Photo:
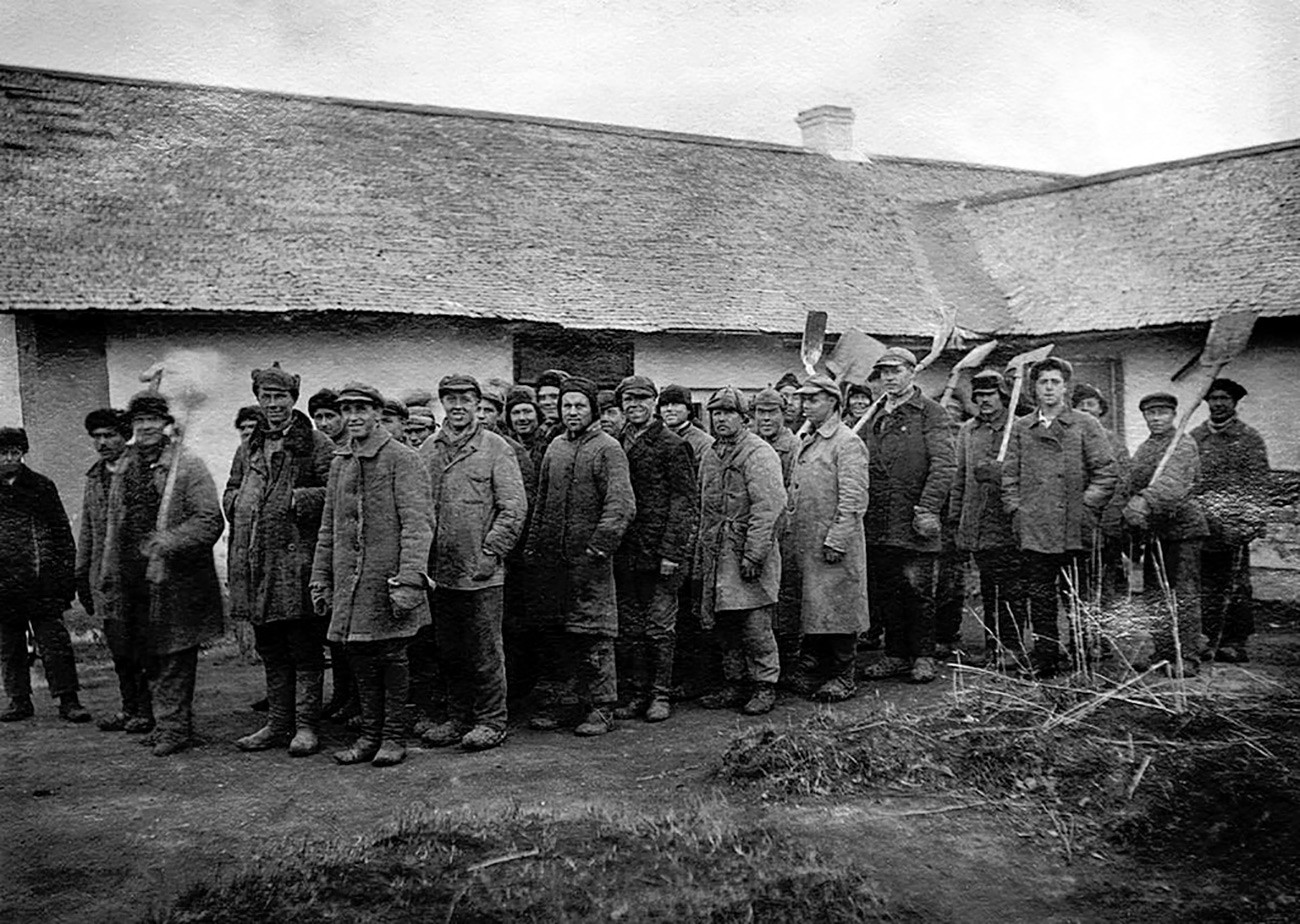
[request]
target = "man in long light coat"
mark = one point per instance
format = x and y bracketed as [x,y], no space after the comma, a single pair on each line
[827,498]
[769,423]
[742,506]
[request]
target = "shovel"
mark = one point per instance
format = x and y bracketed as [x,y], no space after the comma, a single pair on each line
[971,360]
[854,356]
[1019,363]
[814,339]
[942,334]
[1227,339]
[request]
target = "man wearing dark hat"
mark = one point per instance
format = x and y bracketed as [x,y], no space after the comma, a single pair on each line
[491,416]
[273,500]
[36,583]
[524,423]
[419,425]
[1235,482]
[1167,527]
[676,408]
[584,506]
[1114,575]
[612,420]
[655,554]
[156,572]
[1058,476]
[479,508]
[738,558]
[787,386]
[393,417]
[109,429]
[548,388]
[983,527]
[857,401]
[769,424]
[825,503]
[323,409]
[910,444]
[368,574]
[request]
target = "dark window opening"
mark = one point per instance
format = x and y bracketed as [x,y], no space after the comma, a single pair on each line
[602,356]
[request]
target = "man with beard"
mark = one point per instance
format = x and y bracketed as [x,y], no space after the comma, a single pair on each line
[273,501]
[769,424]
[36,583]
[826,501]
[742,504]
[584,506]
[656,550]
[323,409]
[109,429]
[910,444]
[1058,476]
[1235,484]
[479,507]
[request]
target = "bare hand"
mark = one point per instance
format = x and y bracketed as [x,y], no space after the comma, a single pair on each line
[404,597]
[832,556]
[750,570]
[668,568]
[487,566]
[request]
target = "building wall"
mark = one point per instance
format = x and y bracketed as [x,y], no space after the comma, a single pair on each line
[11,405]
[706,362]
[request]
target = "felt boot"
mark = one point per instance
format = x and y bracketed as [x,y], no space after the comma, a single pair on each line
[307,714]
[279,718]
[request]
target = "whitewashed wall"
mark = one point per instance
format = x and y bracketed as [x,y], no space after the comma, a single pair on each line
[11,406]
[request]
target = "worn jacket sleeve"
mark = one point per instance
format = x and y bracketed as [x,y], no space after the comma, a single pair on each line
[1165,494]
[1011,469]
[620,503]
[61,570]
[851,466]
[201,522]
[411,494]
[86,539]
[765,484]
[309,494]
[238,465]
[322,568]
[957,496]
[683,509]
[943,460]
[1099,466]
[533,542]
[527,471]
[510,504]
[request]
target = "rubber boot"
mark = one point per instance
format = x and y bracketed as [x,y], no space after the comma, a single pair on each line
[309,691]
[392,750]
[366,671]
[279,717]
[661,678]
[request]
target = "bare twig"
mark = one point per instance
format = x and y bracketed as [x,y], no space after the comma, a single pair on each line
[939,811]
[507,858]
[1137,777]
[664,773]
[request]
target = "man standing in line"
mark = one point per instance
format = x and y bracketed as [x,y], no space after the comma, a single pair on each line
[791,405]
[548,388]
[109,429]
[827,498]
[655,553]
[983,528]
[1113,580]
[393,417]
[479,507]
[769,424]
[1059,475]
[1168,526]
[612,420]
[368,574]
[1235,483]
[910,443]
[323,409]
[419,425]
[157,574]
[738,558]
[674,406]
[491,410]
[273,501]
[584,506]
[37,566]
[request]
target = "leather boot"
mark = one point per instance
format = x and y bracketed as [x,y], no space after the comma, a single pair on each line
[308,689]
[661,678]
[392,750]
[366,671]
[279,718]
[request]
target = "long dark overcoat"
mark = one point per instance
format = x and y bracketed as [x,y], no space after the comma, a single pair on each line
[38,544]
[662,468]
[912,465]
[976,498]
[274,503]
[584,501]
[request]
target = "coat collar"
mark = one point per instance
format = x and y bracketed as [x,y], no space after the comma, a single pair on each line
[1067,418]
[828,427]
[379,438]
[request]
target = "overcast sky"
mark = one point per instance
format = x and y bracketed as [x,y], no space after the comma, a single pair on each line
[1073,85]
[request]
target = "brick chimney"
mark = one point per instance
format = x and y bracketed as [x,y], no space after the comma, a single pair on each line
[827,130]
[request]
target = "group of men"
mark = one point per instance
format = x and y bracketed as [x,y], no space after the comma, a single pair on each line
[548,538]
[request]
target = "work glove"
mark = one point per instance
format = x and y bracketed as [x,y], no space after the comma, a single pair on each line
[404,597]
[989,472]
[750,569]
[1136,512]
[926,524]
[320,599]
[668,568]
[832,556]
[487,566]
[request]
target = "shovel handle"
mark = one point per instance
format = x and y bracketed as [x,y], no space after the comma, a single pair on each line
[1011,415]
[1182,424]
[871,412]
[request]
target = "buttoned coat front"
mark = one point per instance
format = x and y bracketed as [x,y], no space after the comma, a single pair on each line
[912,465]
[662,469]
[827,498]
[742,508]
[976,499]
[376,526]
[1056,481]
[479,505]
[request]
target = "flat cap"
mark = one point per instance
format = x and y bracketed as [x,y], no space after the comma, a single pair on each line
[149,404]
[729,398]
[396,408]
[1232,389]
[896,356]
[769,399]
[675,394]
[636,385]
[418,396]
[820,383]
[988,380]
[275,377]
[1158,399]
[459,381]
[108,418]
[495,395]
[14,438]
[420,415]
[359,393]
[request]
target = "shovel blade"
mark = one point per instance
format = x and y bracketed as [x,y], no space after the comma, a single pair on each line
[814,339]
[854,356]
[1029,357]
[975,356]
[1228,336]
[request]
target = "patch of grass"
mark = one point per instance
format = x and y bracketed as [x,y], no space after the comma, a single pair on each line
[530,867]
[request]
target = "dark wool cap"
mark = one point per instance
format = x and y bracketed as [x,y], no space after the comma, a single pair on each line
[1083,391]
[520,394]
[418,396]
[250,412]
[395,407]
[635,385]
[553,378]
[988,380]
[326,399]
[857,388]
[1158,399]
[729,398]
[675,394]
[1232,389]
[770,399]
[275,377]
[789,380]
[357,392]
[605,398]
[1052,362]
[459,382]
[14,438]
[583,386]
[108,418]
[149,404]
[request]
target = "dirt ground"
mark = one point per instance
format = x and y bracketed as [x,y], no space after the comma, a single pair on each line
[97,829]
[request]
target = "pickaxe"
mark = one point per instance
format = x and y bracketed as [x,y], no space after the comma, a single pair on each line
[1019,363]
